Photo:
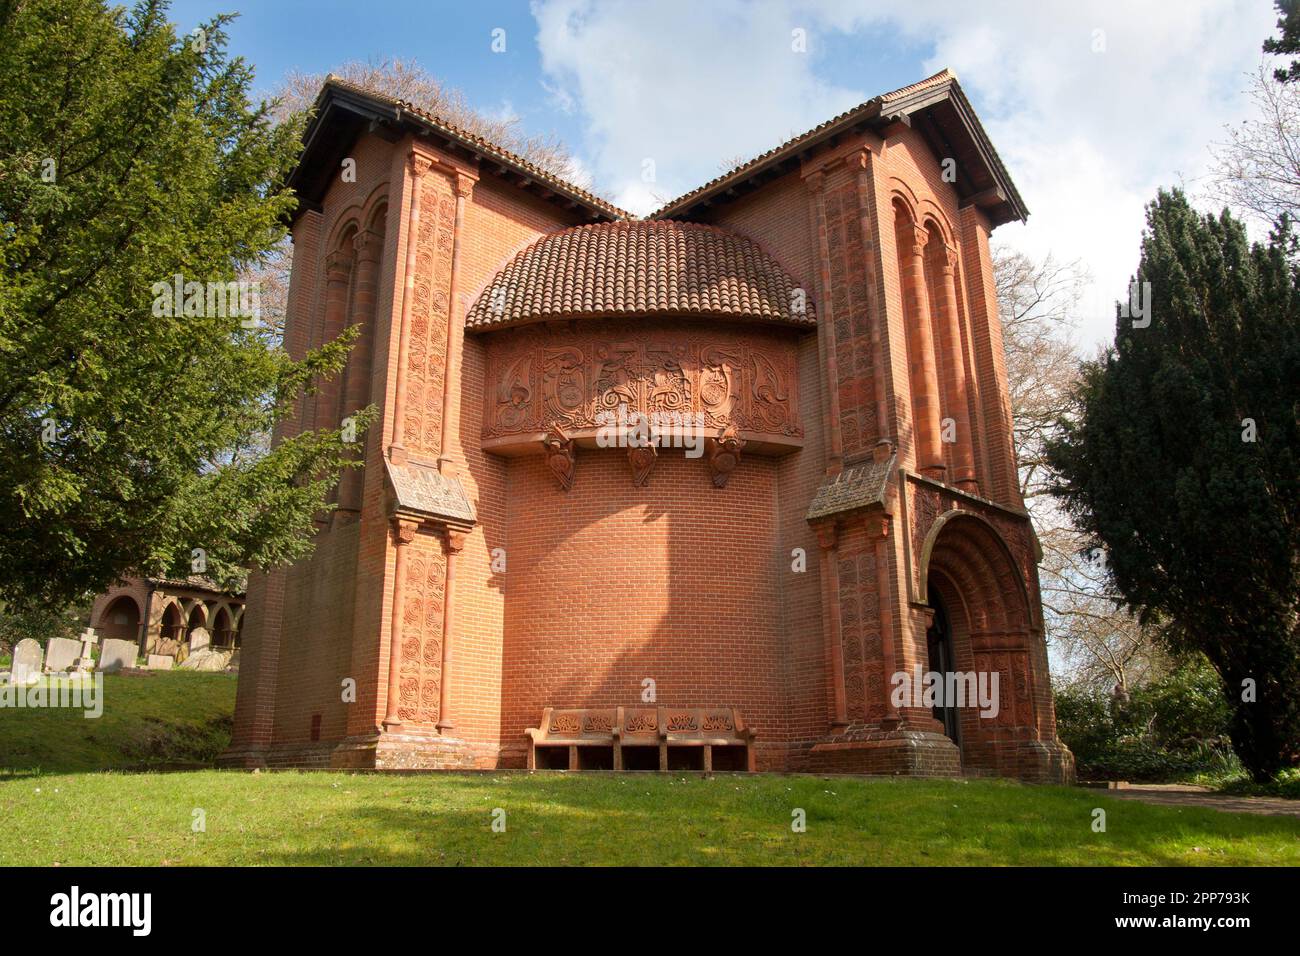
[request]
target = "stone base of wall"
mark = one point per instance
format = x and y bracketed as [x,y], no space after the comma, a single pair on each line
[244,758]
[900,752]
[409,751]
[1045,762]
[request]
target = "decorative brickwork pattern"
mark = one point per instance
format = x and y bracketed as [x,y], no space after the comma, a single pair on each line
[422,429]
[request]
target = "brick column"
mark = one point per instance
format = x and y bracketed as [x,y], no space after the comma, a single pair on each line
[338,272]
[879,329]
[826,344]
[958,408]
[416,166]
[828,540]
[455,543]
[403,535]
[922,375]
[356,374]
[878,532]
[455,335]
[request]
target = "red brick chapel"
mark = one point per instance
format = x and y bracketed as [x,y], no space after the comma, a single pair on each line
[505,585]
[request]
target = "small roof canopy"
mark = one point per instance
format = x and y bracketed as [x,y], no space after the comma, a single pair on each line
[641,268]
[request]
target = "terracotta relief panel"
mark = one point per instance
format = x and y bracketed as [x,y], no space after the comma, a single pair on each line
[427,348]
[860,636]
[421,674]
[849,306]
[539,381]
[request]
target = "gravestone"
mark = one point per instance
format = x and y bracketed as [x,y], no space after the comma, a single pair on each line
[199,639]
[61,654]
[161,662]
[88,641]
[27,662]
[207,659]
[116,655]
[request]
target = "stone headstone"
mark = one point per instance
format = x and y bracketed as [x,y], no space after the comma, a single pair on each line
[88,641]
[61,654]
[207,659]
[116,655]
[28,658]
[199,638]
[161,662]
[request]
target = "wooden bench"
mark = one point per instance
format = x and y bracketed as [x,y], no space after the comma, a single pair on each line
[641,738]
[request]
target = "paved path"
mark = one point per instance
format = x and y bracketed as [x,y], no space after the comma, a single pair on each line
[1185,795]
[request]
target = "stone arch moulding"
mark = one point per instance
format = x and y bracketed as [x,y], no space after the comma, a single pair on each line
[1004,555]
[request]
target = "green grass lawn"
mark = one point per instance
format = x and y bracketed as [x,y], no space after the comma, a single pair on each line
[433,819]
[156,717]
[56,793]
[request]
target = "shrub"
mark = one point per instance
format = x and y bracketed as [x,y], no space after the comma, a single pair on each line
[1174,727]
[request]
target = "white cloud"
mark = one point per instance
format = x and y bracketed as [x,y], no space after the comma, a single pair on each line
[685,85]
[1088,136]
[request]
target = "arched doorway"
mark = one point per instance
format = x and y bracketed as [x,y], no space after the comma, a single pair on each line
[198,618]
[942,660]
[171,629]
[120,620]
[223,634]
[981,634]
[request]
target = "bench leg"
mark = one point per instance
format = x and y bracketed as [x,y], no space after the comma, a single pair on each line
[532,755]
[663,755]
[573,756]
[708,758]
[618,755]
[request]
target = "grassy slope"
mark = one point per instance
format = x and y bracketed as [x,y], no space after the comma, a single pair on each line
[333,818]
[158,717]
[66,815]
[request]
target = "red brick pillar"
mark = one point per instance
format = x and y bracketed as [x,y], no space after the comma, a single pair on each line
[826,345]
[338,272]
[403,535]
[828,540]
[356,375]
[455,334]
[878,532]
[922,374]
[417,166]
[958,408]
[455,542]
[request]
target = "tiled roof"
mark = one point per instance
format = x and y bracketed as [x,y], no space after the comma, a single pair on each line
[485,146]
[905,99]
[856,487]
[641,268]
[870,107]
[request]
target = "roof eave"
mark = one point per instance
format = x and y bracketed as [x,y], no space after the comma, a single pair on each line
[1002,204]
[337,103]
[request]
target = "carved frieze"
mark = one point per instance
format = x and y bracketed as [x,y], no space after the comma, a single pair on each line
[427,347]
[421,671]
[540,380]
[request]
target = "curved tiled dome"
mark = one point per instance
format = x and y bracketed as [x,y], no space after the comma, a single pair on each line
[641,268]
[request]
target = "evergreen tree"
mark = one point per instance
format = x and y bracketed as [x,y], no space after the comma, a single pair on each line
[129,422]
[1288,40]
[1181,457]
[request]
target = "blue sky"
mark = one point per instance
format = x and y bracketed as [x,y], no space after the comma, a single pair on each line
[1093,104]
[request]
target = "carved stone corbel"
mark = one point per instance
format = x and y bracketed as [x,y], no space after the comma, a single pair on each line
[724,455]
[642,458]
[559,456]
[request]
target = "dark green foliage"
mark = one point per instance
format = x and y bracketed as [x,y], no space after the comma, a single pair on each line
[40,624]
[1170,729]
[1288,26]
[1155,462]
[128,438]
